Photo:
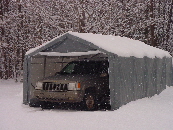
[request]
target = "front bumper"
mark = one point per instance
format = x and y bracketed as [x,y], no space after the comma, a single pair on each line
[53,96]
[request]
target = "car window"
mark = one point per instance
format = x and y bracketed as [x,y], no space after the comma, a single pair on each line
[83,67]
[69,68]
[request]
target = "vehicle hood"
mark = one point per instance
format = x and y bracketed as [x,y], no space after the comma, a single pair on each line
[70,77]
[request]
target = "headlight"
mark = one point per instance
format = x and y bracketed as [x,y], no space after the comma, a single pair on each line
[39,85]
[74,86]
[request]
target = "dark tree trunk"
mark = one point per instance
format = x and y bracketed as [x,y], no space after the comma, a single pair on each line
[152,26]
[170,21]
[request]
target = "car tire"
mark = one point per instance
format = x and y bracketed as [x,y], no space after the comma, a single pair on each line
[90,102]
[34,103]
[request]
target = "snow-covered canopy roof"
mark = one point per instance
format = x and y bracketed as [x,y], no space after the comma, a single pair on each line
[121,46]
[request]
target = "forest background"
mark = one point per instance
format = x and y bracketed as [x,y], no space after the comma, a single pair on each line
[25,24]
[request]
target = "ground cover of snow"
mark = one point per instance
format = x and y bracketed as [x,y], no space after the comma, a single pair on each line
[155,113]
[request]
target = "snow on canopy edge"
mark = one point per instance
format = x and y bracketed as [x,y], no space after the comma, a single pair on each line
[122,46]
[40,46]
[70,53]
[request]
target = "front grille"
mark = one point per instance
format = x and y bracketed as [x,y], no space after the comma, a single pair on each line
[55,86]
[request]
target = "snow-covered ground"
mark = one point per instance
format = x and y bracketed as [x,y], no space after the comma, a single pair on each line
[154,113]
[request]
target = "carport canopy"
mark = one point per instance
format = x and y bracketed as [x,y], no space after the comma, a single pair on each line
[124,54]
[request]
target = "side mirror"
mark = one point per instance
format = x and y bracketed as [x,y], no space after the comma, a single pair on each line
[103,75]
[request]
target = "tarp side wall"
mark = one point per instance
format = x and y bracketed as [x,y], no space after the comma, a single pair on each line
[169,72]
[136,78]
[37,72]
[25,81]
[114,82]
[150,76]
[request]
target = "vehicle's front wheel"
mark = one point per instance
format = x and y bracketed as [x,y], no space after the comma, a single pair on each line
[34,102]
[90,102]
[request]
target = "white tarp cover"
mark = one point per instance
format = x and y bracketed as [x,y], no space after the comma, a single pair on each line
[122,46]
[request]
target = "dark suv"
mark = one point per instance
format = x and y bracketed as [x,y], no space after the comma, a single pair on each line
[84,81]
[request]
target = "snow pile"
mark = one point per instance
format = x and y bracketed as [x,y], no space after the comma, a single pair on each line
[121,46]
[154,113]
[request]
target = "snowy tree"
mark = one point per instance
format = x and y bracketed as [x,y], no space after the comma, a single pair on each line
[28,23]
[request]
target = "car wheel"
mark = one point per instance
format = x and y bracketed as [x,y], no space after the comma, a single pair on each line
[34,103]
[90,102]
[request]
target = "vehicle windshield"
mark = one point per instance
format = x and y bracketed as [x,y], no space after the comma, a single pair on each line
[81,67]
